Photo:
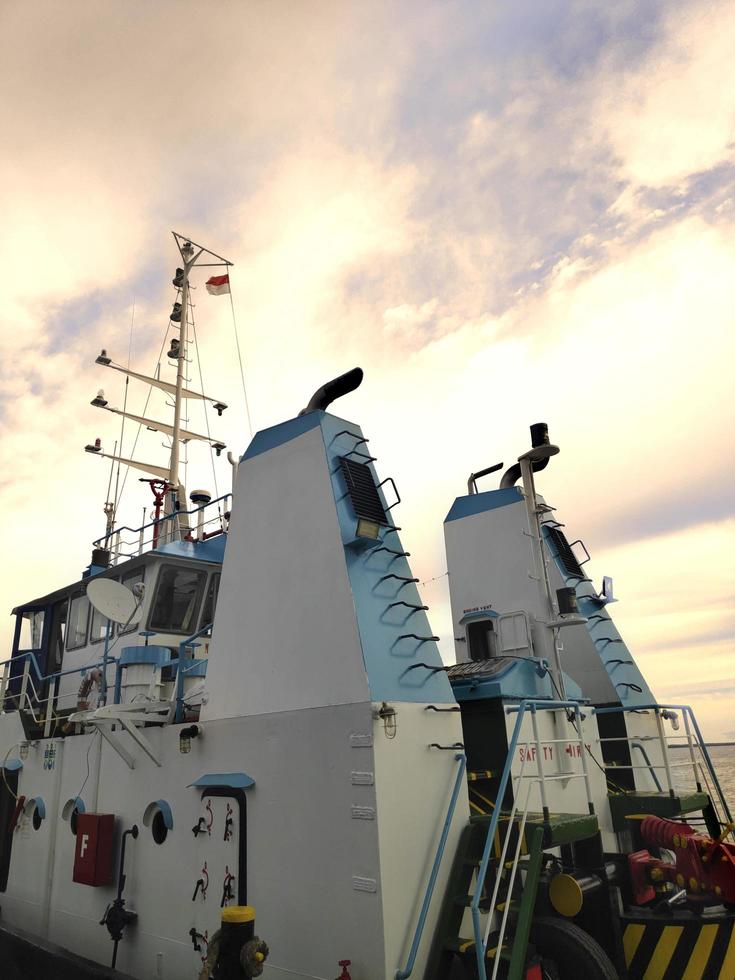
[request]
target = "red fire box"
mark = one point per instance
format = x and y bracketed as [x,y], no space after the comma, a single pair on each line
[93,853]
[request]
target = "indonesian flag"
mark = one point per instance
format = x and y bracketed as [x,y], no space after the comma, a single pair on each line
[218,285]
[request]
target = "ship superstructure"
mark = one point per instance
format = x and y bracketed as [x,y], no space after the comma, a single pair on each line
[265,731]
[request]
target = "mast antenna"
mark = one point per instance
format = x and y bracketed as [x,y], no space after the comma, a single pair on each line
[190,253]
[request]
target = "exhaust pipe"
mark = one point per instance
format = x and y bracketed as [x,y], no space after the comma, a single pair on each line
[539,437]
[332,390]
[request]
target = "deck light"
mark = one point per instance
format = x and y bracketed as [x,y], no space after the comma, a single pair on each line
[176,313]
[367,529]
[99,400]
[174,351]
[178,279]
[185,737]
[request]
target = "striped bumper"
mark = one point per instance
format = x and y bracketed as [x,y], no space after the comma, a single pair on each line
[679,947]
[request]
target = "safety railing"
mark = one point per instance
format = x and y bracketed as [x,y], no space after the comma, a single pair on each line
[403,974]
[531,707]
[166,529]
[29,697]
[699,760]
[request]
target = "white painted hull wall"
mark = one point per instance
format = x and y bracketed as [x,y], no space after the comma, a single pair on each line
[342,822]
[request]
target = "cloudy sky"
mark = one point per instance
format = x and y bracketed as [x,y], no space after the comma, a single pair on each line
[504,212]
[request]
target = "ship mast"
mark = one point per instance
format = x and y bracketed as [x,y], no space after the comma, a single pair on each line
[191,253]
[187,256]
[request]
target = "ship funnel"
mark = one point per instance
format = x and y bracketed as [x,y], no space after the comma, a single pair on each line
[325,395]
[539,460]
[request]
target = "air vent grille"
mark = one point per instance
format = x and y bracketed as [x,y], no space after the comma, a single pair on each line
[362,490]
[564,551]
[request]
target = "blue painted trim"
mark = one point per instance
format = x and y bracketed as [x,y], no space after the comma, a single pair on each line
[268,439]
[470,617]
[408,969]
[212,550]
[233,780]
[479,503]
[12,765]
[168,817]
[159,656]
[400,654]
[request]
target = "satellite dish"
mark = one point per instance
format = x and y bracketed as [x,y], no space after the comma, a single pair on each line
[112,599]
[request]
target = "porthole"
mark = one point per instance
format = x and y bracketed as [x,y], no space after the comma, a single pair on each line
[35,810]
[71,810]
[159,819]
[159,828]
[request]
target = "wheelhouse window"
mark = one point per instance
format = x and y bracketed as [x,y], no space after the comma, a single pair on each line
[129,580]
[77,620]
[31,631]
[210,603]
[98,627]
[178,597]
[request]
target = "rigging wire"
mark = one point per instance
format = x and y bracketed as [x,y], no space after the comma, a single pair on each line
[206,413]
[239,358]
[157,368]
[122,420]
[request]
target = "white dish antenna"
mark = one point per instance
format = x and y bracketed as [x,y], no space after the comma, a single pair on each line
[112,599]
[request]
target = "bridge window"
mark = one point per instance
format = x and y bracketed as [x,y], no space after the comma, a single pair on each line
[178,596]
[98,629]
[76,627]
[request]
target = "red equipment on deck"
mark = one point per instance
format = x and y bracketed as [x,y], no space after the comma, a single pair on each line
[704,867]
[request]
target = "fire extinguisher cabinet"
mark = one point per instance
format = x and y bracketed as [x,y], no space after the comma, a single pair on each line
[93,852]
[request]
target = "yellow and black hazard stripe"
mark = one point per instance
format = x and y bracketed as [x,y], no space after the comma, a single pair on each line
[679,948]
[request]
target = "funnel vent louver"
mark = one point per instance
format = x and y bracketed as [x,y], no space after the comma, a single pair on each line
[362,491]
[564,551]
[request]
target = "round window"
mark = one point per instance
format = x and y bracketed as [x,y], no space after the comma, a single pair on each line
[159,828]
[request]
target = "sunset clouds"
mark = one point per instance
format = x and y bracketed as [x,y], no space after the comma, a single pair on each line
[503,213]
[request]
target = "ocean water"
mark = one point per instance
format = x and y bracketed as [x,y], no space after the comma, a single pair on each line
[723,760]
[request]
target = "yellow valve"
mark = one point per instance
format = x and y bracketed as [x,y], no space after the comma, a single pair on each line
[676,840]
[680,880]
[259,957]
[694,884]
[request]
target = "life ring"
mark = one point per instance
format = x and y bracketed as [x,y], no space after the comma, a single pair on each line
[94,677]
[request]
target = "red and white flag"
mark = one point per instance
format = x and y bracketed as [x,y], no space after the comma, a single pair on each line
[218,285]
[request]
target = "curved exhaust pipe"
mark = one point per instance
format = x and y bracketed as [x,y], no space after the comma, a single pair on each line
[539,437]
[333,389]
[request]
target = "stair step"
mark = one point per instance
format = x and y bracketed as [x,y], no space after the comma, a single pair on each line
[624,805]
[460,945]
[474,774]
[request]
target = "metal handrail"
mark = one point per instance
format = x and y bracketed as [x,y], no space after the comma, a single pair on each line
[30,661]
[403,974]
[161,520]
[526,705]
[689,717]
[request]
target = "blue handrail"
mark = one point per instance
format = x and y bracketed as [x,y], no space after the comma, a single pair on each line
[181,669]
[407,970]
[521,708]
[30,654]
